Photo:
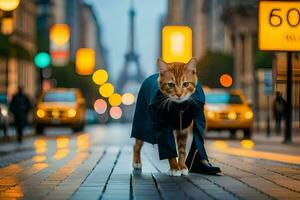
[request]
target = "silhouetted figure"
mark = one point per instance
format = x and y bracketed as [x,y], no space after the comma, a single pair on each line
[20,106]
[279,108]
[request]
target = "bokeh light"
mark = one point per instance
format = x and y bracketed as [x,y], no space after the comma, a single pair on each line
[226,80]
[115,112]
[42,60]
[106,90]
[60,34]
[7,26]
[128,99]
[247,144]
[115,99]
[9,5]
[100,106]
[85,61]
[100,76]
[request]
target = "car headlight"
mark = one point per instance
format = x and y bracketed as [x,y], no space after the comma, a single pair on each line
[249,115]
[40,113]
[232,115]
[4,112]
[71,113]
[211,114]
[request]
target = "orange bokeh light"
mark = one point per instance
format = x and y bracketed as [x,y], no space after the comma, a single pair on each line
[226,80]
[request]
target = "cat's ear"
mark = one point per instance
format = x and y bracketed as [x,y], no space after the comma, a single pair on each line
[162,66]
[191,65]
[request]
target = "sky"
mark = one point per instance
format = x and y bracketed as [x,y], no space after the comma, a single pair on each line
[114,21]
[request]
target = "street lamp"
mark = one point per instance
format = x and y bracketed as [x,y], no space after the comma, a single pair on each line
[176,44]
[60,34]
[85,61]
[9,5]
[7,26]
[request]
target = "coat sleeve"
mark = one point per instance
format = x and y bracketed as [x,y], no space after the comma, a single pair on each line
[142,126]
[200,122]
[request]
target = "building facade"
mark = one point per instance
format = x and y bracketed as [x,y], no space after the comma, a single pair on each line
[16,65]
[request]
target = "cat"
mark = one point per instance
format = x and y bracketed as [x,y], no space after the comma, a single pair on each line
[177,82]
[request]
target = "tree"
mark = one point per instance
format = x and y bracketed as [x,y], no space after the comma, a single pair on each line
[212,66]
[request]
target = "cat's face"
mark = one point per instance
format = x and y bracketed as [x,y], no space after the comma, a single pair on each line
[177,80]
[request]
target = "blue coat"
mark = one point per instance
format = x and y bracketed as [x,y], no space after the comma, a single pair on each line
[154,123]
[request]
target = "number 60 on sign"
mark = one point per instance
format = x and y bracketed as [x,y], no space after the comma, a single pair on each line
[279,25]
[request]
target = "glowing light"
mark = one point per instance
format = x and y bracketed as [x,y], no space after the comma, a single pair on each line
[71,113]
[83,142]
[115,99]
[106,89]
[249,115]
[42,60]
[220,144]
[55,113]
[9,5]
[128,99]
[177,43]
[40,113]
[39,158]
[100,76]
[115,112]
[211,114]
[40,146]
[60,34]
[226,80]
[7,26]
[247,144]
[85,61]
[100,106]
[232,115]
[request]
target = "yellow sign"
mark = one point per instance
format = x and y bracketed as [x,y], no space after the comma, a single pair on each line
[176,44]
[279,25]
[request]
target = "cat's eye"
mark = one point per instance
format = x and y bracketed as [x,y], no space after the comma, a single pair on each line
[185,84]
[171,85]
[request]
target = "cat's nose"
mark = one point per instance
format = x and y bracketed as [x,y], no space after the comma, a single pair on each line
[178,95]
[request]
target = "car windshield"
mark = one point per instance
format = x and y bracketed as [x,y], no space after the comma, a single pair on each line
[59,97]
[223,98]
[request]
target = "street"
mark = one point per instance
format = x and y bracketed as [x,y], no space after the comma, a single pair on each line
[96,164]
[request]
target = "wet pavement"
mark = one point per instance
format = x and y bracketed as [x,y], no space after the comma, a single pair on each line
[96,164]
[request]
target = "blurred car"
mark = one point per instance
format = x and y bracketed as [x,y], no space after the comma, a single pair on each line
[228,110]
[60,107]
[4,117]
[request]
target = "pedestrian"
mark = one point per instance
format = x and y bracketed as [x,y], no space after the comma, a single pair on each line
[279,108]
[20,106]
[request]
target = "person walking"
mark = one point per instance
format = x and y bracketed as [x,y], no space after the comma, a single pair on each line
[20,106]
[279,108]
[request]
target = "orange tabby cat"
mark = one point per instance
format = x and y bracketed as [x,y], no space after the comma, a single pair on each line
[177,81]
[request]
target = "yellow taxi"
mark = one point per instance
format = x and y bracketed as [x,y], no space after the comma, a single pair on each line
[60,107]
[228,110]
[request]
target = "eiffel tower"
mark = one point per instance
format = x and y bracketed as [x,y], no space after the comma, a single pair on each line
[131,57]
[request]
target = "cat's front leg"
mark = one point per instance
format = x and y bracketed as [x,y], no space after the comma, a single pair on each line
[174,167]
[136,163]
[181,138]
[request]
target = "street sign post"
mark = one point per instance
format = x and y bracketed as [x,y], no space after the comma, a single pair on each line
[268,90]
[279,30]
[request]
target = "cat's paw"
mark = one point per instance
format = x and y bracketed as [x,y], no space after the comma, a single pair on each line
[173,172]
[184,171]
[137,165]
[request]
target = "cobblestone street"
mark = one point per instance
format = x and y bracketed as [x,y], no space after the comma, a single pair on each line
[97,165]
